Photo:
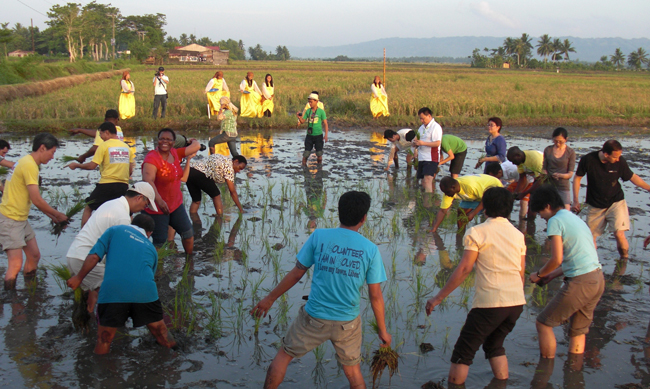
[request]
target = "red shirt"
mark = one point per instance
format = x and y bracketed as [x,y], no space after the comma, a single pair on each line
[168,178]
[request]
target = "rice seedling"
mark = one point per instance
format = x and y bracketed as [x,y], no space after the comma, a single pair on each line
[318,374]
[68,159]
[183,311]
[62,274]
[4,171]
[445,340]
[57,228]
[214,324]
[384,357]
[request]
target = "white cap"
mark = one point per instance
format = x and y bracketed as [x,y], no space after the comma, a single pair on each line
[145,189]
[313,96]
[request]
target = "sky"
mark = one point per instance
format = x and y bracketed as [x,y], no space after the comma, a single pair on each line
[340,22]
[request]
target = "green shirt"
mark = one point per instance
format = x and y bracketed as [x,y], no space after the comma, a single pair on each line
[316,123]
[453,143]
[229,123]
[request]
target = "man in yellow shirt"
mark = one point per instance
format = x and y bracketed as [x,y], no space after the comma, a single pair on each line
[470,190]
[111,116]
[21,191]
[116,161]
[530,163]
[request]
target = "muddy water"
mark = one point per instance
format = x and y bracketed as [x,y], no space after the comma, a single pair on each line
[238,260]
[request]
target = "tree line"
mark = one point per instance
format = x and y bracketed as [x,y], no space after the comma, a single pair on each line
[554,52]
[99,31]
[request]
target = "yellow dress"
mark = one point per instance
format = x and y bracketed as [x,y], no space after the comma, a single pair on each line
[214,97]
[250,103]
[126,104]
[379,105]
[268,104]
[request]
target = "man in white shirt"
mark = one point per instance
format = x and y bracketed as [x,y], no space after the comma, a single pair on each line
[401,140]
[429,137]
[111,213]
[160,82]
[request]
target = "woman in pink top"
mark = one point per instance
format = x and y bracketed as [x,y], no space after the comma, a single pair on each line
[162,169]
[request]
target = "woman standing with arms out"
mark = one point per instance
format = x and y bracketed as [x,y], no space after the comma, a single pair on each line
[267,96]
[228,116]
[215,90]
[379,99]
[495,144]
[251,98]
[126,104]
[162,169]
[573,254]
[560,162]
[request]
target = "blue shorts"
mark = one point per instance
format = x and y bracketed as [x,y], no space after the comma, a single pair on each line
[178,220]
[427,168]
[464,204]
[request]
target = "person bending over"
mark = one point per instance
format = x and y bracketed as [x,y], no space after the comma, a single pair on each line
[205,174]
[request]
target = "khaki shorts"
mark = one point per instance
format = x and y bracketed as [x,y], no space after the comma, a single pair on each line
[306,333]
[575,302]
[14,234]
[92,280]
[616,217]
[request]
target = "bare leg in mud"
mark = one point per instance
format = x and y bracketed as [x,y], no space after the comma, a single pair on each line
[86,215]
[93,295]
[105,336]
[15,262]
[159,331]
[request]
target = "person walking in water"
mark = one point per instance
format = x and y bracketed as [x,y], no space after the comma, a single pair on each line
[316,122]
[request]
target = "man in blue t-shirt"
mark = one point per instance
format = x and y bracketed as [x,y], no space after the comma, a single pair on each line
[129,288]
[343,261]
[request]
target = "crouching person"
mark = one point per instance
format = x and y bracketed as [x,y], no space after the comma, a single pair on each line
[128,289]
[497,250]
[332,310]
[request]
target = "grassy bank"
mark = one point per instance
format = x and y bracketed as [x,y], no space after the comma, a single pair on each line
[458,96]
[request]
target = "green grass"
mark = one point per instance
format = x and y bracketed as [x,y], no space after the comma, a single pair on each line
[462,96]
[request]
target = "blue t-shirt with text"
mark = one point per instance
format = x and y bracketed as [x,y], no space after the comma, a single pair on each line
[580,255]
[343,261]
[131,262]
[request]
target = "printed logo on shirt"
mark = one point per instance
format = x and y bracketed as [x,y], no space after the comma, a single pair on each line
[343,261]
[118,155]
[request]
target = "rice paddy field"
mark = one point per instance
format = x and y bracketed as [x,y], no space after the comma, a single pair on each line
[238,259]
[458,96]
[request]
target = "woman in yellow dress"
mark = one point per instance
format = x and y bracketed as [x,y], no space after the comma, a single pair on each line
[267,96]
[379,99]
[251,98]
[215,90]
[126,104]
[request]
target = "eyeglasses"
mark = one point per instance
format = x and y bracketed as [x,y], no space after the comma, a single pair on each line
[559,142]
[168,140]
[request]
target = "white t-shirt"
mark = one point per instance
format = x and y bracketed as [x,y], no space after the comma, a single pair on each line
[430,133]
[510,173]
[158,88]
[402,144]
[111,213]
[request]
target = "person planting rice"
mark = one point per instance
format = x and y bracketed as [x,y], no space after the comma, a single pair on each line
[344,260]
[529,163]
[316,121]
[378,99]
[204,175]
[268,92]
[559,164]
[497,252]
[250,101]
[129,289]
[126,103]
[116,161]
[607,205]
[509,176]
[111,116]
[470,190]
[429,137]
[573,255]
[111,213]
[215,90]
[401,140]
[21,191]
[495,145]
[456,150]
[4,149]
[228,116]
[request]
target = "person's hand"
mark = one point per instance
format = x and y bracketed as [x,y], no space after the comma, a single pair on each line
[74,131]
[386,338]
[162,206]
[325,138]
[81,159]
[416,142]
[646,242]
[188,157]
[387,168]
[431,304]
[433,230]
[74,282]
[536,279]
[262,308]
[575,207]
[59,217]
[557,176]
[73,165]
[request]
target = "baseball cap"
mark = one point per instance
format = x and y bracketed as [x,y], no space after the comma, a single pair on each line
[161,69]
[145,189]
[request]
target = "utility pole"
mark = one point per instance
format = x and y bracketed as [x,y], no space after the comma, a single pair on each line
[33,47]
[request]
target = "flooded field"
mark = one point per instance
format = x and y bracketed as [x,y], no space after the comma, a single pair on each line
[237,261]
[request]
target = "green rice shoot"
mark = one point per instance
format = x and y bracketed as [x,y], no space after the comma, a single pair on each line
[67,159]
[4,170]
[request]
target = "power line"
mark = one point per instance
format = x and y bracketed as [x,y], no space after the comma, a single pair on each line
[33,9]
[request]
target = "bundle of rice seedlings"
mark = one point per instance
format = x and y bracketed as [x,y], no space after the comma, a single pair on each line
[478,164]
[67,158]
[4,170]
[57,228]
[384,357]
[61,275]
[80,314]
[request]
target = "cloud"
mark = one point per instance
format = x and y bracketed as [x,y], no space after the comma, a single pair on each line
[483,9]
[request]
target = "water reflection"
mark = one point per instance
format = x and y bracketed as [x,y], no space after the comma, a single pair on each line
[315,195]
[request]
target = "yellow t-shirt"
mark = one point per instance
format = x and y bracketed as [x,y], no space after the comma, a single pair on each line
[114,158]
[98,139]
[15,201]
[534,163]
[472,188]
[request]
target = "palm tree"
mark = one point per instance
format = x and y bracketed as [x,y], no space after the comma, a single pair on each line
[618,58]
[192,38]
[525,46]
[510,47]
[544,46]
[637,58]
[183,39]
[557,49]
[566,48]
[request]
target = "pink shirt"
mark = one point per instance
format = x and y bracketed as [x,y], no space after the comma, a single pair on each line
[168,178]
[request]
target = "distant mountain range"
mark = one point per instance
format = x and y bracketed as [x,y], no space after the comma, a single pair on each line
[587,49]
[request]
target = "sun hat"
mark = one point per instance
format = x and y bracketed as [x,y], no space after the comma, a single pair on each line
[313,96]
[226,100]
[145,189]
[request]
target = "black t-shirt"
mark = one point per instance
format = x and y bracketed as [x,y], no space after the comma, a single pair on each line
[603,187]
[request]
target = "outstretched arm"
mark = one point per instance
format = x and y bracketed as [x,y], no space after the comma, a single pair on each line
[462,271]
[576,194]
[450,156]
[233,193]
[442,213]
[84,166]
[89,264]
[40,203]
[638,181]
[287,283]
[377,304]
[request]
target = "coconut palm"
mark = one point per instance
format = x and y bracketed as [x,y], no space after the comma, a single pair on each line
[637,58]
[566,48]
[557,49]
[525,46]
[544,46]
[618,58]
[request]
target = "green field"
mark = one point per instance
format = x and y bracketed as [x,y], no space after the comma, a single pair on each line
[458,96]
